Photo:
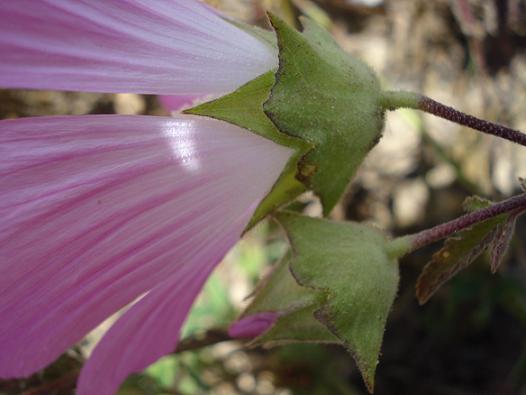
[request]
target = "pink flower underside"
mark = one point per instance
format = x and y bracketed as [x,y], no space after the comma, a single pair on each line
[179,47]
[98,210]
[253,325]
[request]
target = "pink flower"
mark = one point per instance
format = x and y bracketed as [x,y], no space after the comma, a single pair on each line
[100,210]
[253,325]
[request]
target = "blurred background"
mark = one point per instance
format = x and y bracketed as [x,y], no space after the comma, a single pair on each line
[471,337]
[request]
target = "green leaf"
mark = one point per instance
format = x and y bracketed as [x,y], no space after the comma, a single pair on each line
[347,262]
[328,98]
[244,108]
[474,203]
[461,249]
[501,241]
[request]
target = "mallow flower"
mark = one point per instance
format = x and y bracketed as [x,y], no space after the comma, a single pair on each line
[101,211]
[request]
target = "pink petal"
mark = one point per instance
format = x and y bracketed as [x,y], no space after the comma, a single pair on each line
[141,46]
[252,325]
[98,210]
[149,330]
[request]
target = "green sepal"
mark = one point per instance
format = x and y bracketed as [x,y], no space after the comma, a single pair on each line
[349,263]
[336,285]
[331,118]
[280,293]
[328,98]
[244,108]
[298,326]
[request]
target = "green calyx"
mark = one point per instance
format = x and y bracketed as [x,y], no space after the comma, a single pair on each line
[337,285]
[244,108]
[280,293]
[321,102]
[328,98]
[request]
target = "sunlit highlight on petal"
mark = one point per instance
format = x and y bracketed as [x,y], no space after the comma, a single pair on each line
[180,137]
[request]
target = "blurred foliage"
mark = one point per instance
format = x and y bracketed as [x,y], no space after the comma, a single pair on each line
[470,337]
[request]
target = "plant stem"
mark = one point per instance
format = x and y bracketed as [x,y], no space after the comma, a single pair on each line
[65,383]
[393,100]
[441,110]
[428,236]
[208,338]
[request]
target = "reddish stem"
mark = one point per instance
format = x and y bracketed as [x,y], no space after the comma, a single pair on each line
[441,231]
[441,110]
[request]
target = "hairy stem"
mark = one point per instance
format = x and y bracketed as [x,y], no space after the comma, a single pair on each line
[421,239]
[433,107]
[394,100]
